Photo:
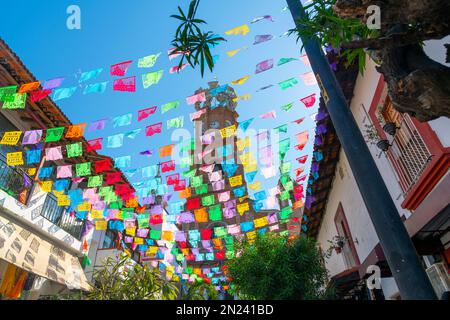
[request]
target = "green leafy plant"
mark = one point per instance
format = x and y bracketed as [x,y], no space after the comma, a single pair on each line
[123,280]
[191,41]
[273,268]
[328,29]
[200,291]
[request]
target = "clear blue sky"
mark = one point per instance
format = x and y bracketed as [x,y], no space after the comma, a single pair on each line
[114,31]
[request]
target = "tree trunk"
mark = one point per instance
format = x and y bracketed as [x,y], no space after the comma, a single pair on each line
[417,85]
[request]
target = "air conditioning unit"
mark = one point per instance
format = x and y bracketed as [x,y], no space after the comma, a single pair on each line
[439,278]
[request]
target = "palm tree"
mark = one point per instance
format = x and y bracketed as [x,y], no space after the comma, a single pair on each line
[193,43]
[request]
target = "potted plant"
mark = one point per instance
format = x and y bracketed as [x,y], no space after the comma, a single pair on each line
[336,244]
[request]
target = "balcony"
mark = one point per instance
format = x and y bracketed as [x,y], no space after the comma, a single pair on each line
[61,218]
[408,154]
[15,182]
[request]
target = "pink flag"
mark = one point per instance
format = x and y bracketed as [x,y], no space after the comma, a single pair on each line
[274,191]
[224,196]
[119,69]
[269,172]
[168,166]
[263,136]
[176,69]
[309,79]
[153,129]
[302,137]
[64,171]
[234,229]
[144,113]
[266,155]
[305,60]
[215,176]
[172,54]
[309,100]
[199,97]
[52,154]
[270,114]
[197,114]
[180,185]
[207,168]
[208,138]
[301,179]
[173,179]
[125,84]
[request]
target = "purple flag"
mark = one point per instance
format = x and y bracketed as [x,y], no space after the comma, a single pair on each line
[97,125]
[264,66]
[52,84]
[262,38]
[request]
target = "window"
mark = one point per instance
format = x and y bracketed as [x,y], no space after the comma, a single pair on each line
[109,241]
[408,153]
[348,250]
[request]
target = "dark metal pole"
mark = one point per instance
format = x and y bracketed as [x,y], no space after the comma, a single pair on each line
[400,253]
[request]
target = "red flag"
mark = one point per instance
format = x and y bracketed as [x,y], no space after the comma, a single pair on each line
[168,166]
[299,171]
[309,100]
[156,219]
[220,255]
[39,95]
[302,159]
[119,69]
[95,144]
[173,179]
[206,234]
[153,129]
[302,178]
[102,165]
[180,185]
[144,113]
[298,121]
[193,203]
[125,84]
[113,177]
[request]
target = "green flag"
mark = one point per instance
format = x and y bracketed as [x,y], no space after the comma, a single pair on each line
[83,169]
[148,61]
[54,134]
[18,102]
[170,105]
[95,181]
[74,150]
[215,212]
[208,200]
[287,107]
[151,78]
[289,83]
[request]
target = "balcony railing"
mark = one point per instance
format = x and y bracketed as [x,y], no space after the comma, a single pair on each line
[61,218]
[15,182]
[409,154]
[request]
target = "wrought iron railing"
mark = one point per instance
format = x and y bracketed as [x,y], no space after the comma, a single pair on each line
[15,182]
[61,218]
[408,154]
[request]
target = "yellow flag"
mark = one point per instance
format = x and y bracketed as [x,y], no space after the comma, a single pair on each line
[63,201]
[167,235]
[232,53]
[243,30]
[250,167]
[255,185]
[241,80]
[261,222]
[235,181]
[14,159]
[228,131]
[251,235]
[138,241]
[11,138]
[246,96]
[243,207]
[97,214]
[247,159]
[46,186]
[243,143]
[31,171]
[83,207]
[242,199]
[130,231]
[101,225]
